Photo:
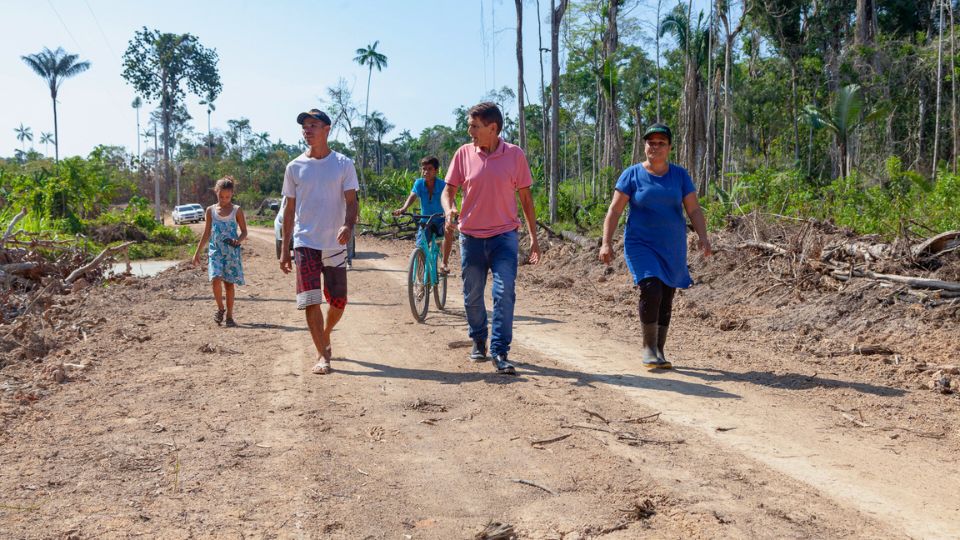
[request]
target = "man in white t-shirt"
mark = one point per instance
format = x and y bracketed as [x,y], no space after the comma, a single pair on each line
[320,187]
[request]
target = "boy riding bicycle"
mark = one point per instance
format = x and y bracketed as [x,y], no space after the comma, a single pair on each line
[428,189]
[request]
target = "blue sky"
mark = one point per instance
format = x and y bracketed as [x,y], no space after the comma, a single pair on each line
[276,58]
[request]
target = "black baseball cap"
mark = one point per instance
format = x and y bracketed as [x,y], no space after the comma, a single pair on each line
[658,128]
[314,113]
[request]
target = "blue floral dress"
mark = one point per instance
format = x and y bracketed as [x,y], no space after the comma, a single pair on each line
[223,259]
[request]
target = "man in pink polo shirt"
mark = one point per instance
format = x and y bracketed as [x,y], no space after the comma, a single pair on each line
[492,173]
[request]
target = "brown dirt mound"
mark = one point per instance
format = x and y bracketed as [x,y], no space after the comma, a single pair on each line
[117,232]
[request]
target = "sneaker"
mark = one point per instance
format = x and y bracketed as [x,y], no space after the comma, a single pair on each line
[503,366]
[479,352]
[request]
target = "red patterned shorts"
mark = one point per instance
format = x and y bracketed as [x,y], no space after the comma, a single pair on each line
[321,274]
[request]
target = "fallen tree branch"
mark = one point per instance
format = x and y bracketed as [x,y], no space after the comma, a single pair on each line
[13,223]
[553,440]
[533,484]
[586,426]
[643,419]
[917,283]
[762,246]
[16,268]
[596,415]
[937,244]
[96,260]
[584,241]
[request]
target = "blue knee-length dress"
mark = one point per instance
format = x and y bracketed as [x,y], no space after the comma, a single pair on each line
[655,238]
[224,260]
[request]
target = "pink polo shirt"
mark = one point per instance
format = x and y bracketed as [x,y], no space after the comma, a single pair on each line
[490,183]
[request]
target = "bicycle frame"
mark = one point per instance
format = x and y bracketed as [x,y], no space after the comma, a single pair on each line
[430,245]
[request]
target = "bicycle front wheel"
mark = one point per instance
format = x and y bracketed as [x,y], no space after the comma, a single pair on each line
[440,291]
[418,287]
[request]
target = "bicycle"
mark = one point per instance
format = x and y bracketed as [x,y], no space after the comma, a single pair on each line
[422,272]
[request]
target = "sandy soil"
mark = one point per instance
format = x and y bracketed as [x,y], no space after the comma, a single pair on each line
[174,427]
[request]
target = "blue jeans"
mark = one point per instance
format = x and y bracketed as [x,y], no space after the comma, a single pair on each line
[497,255]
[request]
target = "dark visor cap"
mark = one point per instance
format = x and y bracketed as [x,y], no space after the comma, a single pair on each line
[658,128]
[314,113]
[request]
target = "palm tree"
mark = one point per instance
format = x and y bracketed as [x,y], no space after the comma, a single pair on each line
[372,59]
[23,134]
[380,126]
[693,40]
[137,103]
[239,128]
[842,119]
[47,138]
[55,67]
[210,108]
[262,139]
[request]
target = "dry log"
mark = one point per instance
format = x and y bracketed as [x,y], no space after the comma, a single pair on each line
[937,244]
[917,283]
[96,260]
[860,250]
[16,268]
[869,350]
[550,231]
[762,246]
[584,241]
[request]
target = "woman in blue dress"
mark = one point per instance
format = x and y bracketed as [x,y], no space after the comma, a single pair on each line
[225,267]
[655,237]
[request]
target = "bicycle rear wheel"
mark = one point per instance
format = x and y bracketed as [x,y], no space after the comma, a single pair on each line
[418,289]
[440,291]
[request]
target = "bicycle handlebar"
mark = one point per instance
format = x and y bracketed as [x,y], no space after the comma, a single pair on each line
[423,216]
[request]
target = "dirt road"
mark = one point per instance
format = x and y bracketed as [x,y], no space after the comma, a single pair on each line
[177,428]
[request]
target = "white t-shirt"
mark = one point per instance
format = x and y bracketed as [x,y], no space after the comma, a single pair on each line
[318,186]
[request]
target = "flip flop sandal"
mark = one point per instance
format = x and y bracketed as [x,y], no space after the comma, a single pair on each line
[218,316]
[230,323]
[322,367]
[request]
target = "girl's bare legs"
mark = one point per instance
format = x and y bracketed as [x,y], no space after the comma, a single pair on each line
[218,293]
[230,294]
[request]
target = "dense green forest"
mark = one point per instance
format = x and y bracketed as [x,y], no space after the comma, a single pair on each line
[839,110]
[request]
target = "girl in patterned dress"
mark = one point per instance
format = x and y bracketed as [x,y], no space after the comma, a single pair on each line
[223,252]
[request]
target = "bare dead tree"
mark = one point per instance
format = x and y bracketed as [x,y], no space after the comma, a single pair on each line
[556,16]
[520,86]
[936,121]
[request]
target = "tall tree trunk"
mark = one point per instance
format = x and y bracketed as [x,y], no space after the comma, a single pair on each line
[795,112]
[520,89]
[544,136]
[56,133]
[918,160]
[708,166]
[166,113]
[865,18]
[156,176]
[366,126]
[657,34]
[637,154]
[953,90]
[727,89]
[936,121]
[613,138]
[556,15]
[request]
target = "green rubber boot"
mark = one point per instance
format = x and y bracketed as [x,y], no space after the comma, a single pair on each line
[649,354]
[663,363]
